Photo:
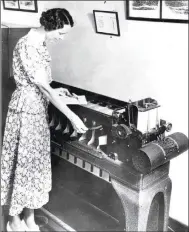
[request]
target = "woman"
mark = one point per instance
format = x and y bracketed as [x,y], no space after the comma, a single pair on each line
[26,169]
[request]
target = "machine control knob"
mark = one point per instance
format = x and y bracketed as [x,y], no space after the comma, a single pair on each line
[169,127]
[121,131]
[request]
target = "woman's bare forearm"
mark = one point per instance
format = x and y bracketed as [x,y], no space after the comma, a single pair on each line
[55,99]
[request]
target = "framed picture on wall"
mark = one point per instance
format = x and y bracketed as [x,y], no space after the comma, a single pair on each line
[28,6]
[158,10]
[106,22]
[175,10]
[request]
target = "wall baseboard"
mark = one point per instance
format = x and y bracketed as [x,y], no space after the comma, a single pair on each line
[177,226]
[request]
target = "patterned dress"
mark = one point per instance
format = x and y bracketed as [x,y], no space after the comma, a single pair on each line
[25,161]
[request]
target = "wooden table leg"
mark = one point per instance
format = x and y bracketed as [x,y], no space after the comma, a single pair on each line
[146,209]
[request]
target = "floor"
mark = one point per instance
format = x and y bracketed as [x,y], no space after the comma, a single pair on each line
[76,210]
[49,226]
[45,225]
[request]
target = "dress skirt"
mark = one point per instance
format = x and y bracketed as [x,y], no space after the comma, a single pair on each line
[25,162]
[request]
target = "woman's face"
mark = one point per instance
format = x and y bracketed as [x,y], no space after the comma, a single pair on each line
[59,34]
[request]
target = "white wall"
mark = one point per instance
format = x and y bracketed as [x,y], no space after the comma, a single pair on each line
[149,59]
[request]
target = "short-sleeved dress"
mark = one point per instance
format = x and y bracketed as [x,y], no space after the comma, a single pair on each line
[25,161]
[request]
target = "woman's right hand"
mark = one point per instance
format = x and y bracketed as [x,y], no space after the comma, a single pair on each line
[78,125]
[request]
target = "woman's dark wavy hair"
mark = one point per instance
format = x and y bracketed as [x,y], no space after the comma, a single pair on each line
[56,18]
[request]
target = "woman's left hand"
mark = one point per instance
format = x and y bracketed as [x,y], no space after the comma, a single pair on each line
[63,91]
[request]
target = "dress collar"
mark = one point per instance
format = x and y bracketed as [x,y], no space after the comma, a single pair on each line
[36,38]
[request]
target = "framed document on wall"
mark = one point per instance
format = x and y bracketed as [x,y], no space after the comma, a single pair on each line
[106,22]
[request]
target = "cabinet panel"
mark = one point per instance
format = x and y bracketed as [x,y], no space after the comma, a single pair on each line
[5,32]
[5,55]
[5,73]
[14,35]
[10,37]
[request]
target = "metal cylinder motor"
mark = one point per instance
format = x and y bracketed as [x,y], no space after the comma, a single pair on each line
[157,153]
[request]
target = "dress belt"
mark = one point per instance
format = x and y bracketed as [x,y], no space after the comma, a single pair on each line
[22,92]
